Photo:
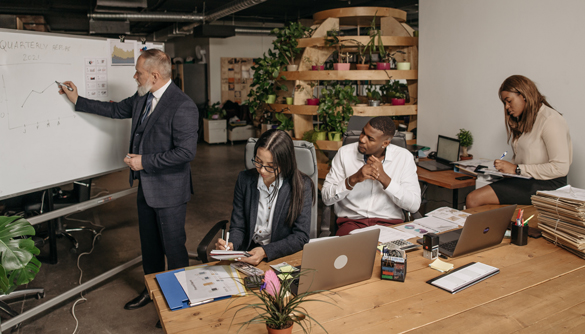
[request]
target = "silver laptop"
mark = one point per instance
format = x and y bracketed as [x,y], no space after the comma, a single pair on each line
[338,261]
[481,230]
[447,152]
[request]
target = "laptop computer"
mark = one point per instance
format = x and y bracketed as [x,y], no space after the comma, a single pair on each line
[481,230]
[447,152]
[337,261]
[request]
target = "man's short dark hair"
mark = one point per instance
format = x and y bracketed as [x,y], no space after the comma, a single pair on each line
[384,124]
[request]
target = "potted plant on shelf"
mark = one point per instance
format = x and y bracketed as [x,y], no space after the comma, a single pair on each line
[465,140]
[395,91]
[374,96]
[286,42]
[315,65]
[336,109]
[332,40]
[314,100]
[362,66]
[278,308]
[286,124]
[215,112]
[265,82]
[19,264]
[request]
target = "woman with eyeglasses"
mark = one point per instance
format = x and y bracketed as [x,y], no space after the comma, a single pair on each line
[271,215]
[541,143]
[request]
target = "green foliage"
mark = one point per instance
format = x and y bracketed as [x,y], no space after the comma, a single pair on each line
[373,93]
[283,309]
[18,265]
[332,40]
[310,136]
[465,138]
[265,80]
[215,109]
[312,85]
[286,40]
[375,43]
[286,123]
[394,89]
[335,107]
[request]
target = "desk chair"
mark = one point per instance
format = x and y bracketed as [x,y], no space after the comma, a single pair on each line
[329,228]
[306,162]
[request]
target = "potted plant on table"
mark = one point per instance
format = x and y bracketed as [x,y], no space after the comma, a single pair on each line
[286,124]
[465,140]
[286,42]
[336,109]
[215,112]
[278,308]
[19,264]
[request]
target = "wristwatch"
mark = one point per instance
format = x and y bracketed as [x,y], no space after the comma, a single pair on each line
[518,171]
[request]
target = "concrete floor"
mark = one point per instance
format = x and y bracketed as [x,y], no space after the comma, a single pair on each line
[215,170]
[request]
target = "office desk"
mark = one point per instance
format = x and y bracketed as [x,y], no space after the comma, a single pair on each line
[540,288]
[445,179]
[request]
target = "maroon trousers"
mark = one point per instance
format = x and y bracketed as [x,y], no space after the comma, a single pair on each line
[346,225]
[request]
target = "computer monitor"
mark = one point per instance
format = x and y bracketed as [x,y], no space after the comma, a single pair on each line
[447,149]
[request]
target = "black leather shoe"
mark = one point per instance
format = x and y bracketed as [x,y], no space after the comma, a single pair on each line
[158,325]
[139,301]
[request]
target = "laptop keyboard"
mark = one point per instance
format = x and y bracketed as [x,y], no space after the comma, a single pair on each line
[450,246]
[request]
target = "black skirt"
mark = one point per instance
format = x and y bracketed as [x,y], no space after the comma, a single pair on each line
[512,190]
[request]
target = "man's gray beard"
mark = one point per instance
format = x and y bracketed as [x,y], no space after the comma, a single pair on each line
[144,89]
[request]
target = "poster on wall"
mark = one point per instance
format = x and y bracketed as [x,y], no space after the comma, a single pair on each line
[236,78]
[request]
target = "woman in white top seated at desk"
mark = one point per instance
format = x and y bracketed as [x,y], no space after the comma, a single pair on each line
[541,143]
[271,217]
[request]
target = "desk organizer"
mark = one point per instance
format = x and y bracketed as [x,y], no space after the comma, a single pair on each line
[393,268]
[519,235]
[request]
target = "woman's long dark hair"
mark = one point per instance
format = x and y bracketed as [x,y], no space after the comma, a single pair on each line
[280,145]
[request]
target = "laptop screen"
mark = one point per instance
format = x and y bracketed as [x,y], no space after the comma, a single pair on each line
[448,149]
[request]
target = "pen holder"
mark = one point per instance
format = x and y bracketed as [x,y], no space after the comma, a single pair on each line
[519,235]
[393,269]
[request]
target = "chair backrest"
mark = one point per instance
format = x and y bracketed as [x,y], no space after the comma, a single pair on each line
[306,163]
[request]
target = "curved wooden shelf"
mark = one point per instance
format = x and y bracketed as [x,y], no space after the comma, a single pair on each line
[327,145]
[362,16]
[294,109]
[351,75]
[386,40]
[409,109]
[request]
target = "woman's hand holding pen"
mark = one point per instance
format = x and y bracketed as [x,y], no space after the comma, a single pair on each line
[221,245]
[505,166]
[72,95]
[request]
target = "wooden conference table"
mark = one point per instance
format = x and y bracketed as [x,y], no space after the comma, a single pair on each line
[446,179]
[540,289]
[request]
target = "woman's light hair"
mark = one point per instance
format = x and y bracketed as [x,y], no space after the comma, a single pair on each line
[523,86]
[156,60]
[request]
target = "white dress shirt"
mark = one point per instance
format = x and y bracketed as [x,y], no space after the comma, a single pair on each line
[263,228]
[369,199]
[157,95]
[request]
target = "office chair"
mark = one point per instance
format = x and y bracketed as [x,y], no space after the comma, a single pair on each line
[306,162]
[329,228]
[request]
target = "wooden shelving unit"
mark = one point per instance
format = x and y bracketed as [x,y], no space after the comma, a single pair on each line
[387,40]
[350,75]
[294,109]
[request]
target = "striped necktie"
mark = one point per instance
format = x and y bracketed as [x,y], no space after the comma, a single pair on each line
[148,105]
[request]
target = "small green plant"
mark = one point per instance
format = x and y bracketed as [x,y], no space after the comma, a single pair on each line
[286,124]
[465,140]
[373,93]
[286,41]
[215,111]
[394,89]
[265,81]
[336,107]
[332,40]
[19,264]
[312,85]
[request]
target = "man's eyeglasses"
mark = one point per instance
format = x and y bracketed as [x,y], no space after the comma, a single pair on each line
[269,169]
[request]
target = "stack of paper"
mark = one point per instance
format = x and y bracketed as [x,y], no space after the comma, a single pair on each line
[210,283]
[449,214]
[441,266]
[469,166]
[387,234]
[561,216]
[422,226]
[227,255]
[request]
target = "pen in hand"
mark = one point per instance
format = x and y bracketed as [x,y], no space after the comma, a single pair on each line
[62,85]
[503,155]
[227,238]
[129,157]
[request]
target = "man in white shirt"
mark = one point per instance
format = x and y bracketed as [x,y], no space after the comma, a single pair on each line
[371,181]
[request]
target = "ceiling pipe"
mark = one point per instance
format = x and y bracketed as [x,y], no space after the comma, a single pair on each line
[149,17]
[252,31]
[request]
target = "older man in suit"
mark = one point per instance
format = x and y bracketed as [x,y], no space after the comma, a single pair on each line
[163,143]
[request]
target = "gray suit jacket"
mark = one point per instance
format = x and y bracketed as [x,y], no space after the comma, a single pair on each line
[168,146]
[285,240]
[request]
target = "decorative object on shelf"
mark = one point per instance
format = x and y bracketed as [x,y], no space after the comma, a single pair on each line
[19,265]
[315,65]
[374,96]
[465,140]
[314,100]
[392,60]
[286,42]
[332,40]
[336,108]
[403,66]
[289,100]
[395,91]
[215,111]
[271,98]
[362,66]
[278,308]
[286,124]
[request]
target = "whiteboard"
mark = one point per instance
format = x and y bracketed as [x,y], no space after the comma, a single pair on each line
[43,141]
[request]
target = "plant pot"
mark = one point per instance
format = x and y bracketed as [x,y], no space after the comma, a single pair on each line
[334,136]
[403,66]
[318,68]
[271,99]
[398,102]
[469,157]
[341,66]
[291,68]
[373,103]
[312,102]
[362,67]
[289,100]
[321,135]
[279,331]
[383,66]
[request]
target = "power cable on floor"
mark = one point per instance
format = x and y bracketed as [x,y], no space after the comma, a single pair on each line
[82,298]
